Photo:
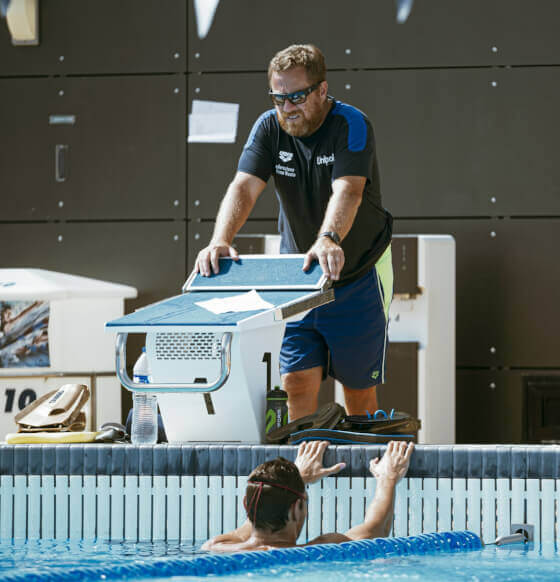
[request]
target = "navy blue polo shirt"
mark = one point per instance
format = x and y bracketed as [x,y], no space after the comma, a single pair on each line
[304,169]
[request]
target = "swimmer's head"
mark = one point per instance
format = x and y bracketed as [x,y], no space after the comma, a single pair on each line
[272,490]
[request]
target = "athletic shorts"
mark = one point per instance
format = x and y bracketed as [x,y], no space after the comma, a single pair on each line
[347,337]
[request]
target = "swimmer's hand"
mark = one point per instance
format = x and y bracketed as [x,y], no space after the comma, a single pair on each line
[309,461]
[207,261]
[394,464]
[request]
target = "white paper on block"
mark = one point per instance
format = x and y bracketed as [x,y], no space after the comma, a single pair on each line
[250,301]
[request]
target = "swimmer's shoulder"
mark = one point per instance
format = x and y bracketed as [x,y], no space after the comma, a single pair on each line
[224,546]
[329,538]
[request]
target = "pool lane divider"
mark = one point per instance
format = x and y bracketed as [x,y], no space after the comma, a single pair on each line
[221,564]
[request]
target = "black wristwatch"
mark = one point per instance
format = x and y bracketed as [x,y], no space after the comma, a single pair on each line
[332,235]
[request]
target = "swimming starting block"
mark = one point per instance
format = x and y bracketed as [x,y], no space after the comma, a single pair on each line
[208,369]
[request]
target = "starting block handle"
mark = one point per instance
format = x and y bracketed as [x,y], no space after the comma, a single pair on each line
[129,384]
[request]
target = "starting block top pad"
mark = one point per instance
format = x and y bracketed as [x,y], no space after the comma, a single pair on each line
[283,272]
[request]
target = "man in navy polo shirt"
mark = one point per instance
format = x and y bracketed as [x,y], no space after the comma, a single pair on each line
[321,153]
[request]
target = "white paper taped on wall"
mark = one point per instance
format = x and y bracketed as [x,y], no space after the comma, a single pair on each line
[205,11]
[213,122]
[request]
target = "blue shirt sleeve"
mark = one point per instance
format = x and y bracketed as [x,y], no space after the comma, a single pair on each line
[256,157]
[355,147]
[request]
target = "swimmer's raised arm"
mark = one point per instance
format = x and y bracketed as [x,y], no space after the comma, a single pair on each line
[388,472]
[379,515]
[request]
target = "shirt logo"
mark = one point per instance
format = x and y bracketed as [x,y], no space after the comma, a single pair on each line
[286,156]
[285,171]
[326,160]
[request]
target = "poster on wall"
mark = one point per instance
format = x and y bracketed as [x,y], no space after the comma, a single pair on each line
[24,337]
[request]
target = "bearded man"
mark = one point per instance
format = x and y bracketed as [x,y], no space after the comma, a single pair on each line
[321,153]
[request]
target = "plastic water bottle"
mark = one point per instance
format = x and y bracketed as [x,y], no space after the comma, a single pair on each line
[144,408]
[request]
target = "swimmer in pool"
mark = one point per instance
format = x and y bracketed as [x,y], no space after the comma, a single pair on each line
[276,500]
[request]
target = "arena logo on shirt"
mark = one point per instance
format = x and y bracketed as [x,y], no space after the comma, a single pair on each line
[285,156]
[326,160]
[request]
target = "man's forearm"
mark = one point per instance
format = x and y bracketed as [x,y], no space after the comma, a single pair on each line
[341,210]
[234,210]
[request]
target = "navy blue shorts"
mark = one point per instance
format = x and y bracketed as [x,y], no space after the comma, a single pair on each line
[352,329]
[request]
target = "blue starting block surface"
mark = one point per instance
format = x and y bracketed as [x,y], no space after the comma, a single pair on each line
[182,310]
[278,280]
[260,272]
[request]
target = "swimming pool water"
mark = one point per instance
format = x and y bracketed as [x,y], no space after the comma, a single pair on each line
[500,564]
[38,556]
[514,563]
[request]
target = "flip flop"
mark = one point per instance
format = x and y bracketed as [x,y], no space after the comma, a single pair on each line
[328,416]
[343,437]
[381,422]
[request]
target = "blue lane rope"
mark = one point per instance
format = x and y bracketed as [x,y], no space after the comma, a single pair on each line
[219,564]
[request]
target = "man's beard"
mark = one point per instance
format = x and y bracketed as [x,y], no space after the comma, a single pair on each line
[302,126]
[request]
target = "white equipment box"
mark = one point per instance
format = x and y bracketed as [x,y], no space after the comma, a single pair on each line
[52,333]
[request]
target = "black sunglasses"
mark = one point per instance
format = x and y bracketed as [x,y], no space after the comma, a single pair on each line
[295,98]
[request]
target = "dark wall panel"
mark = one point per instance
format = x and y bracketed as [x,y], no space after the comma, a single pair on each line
[507,276]
[471,142]
[211,167]
[490,407]
[148,256]
[364,34]
[526,173]
[432,133]
[125,151]
[527,32]
[507,406]
[199,234]
[101,36]
[27,156]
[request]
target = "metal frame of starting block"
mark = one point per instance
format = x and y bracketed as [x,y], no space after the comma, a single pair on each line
[207,369]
